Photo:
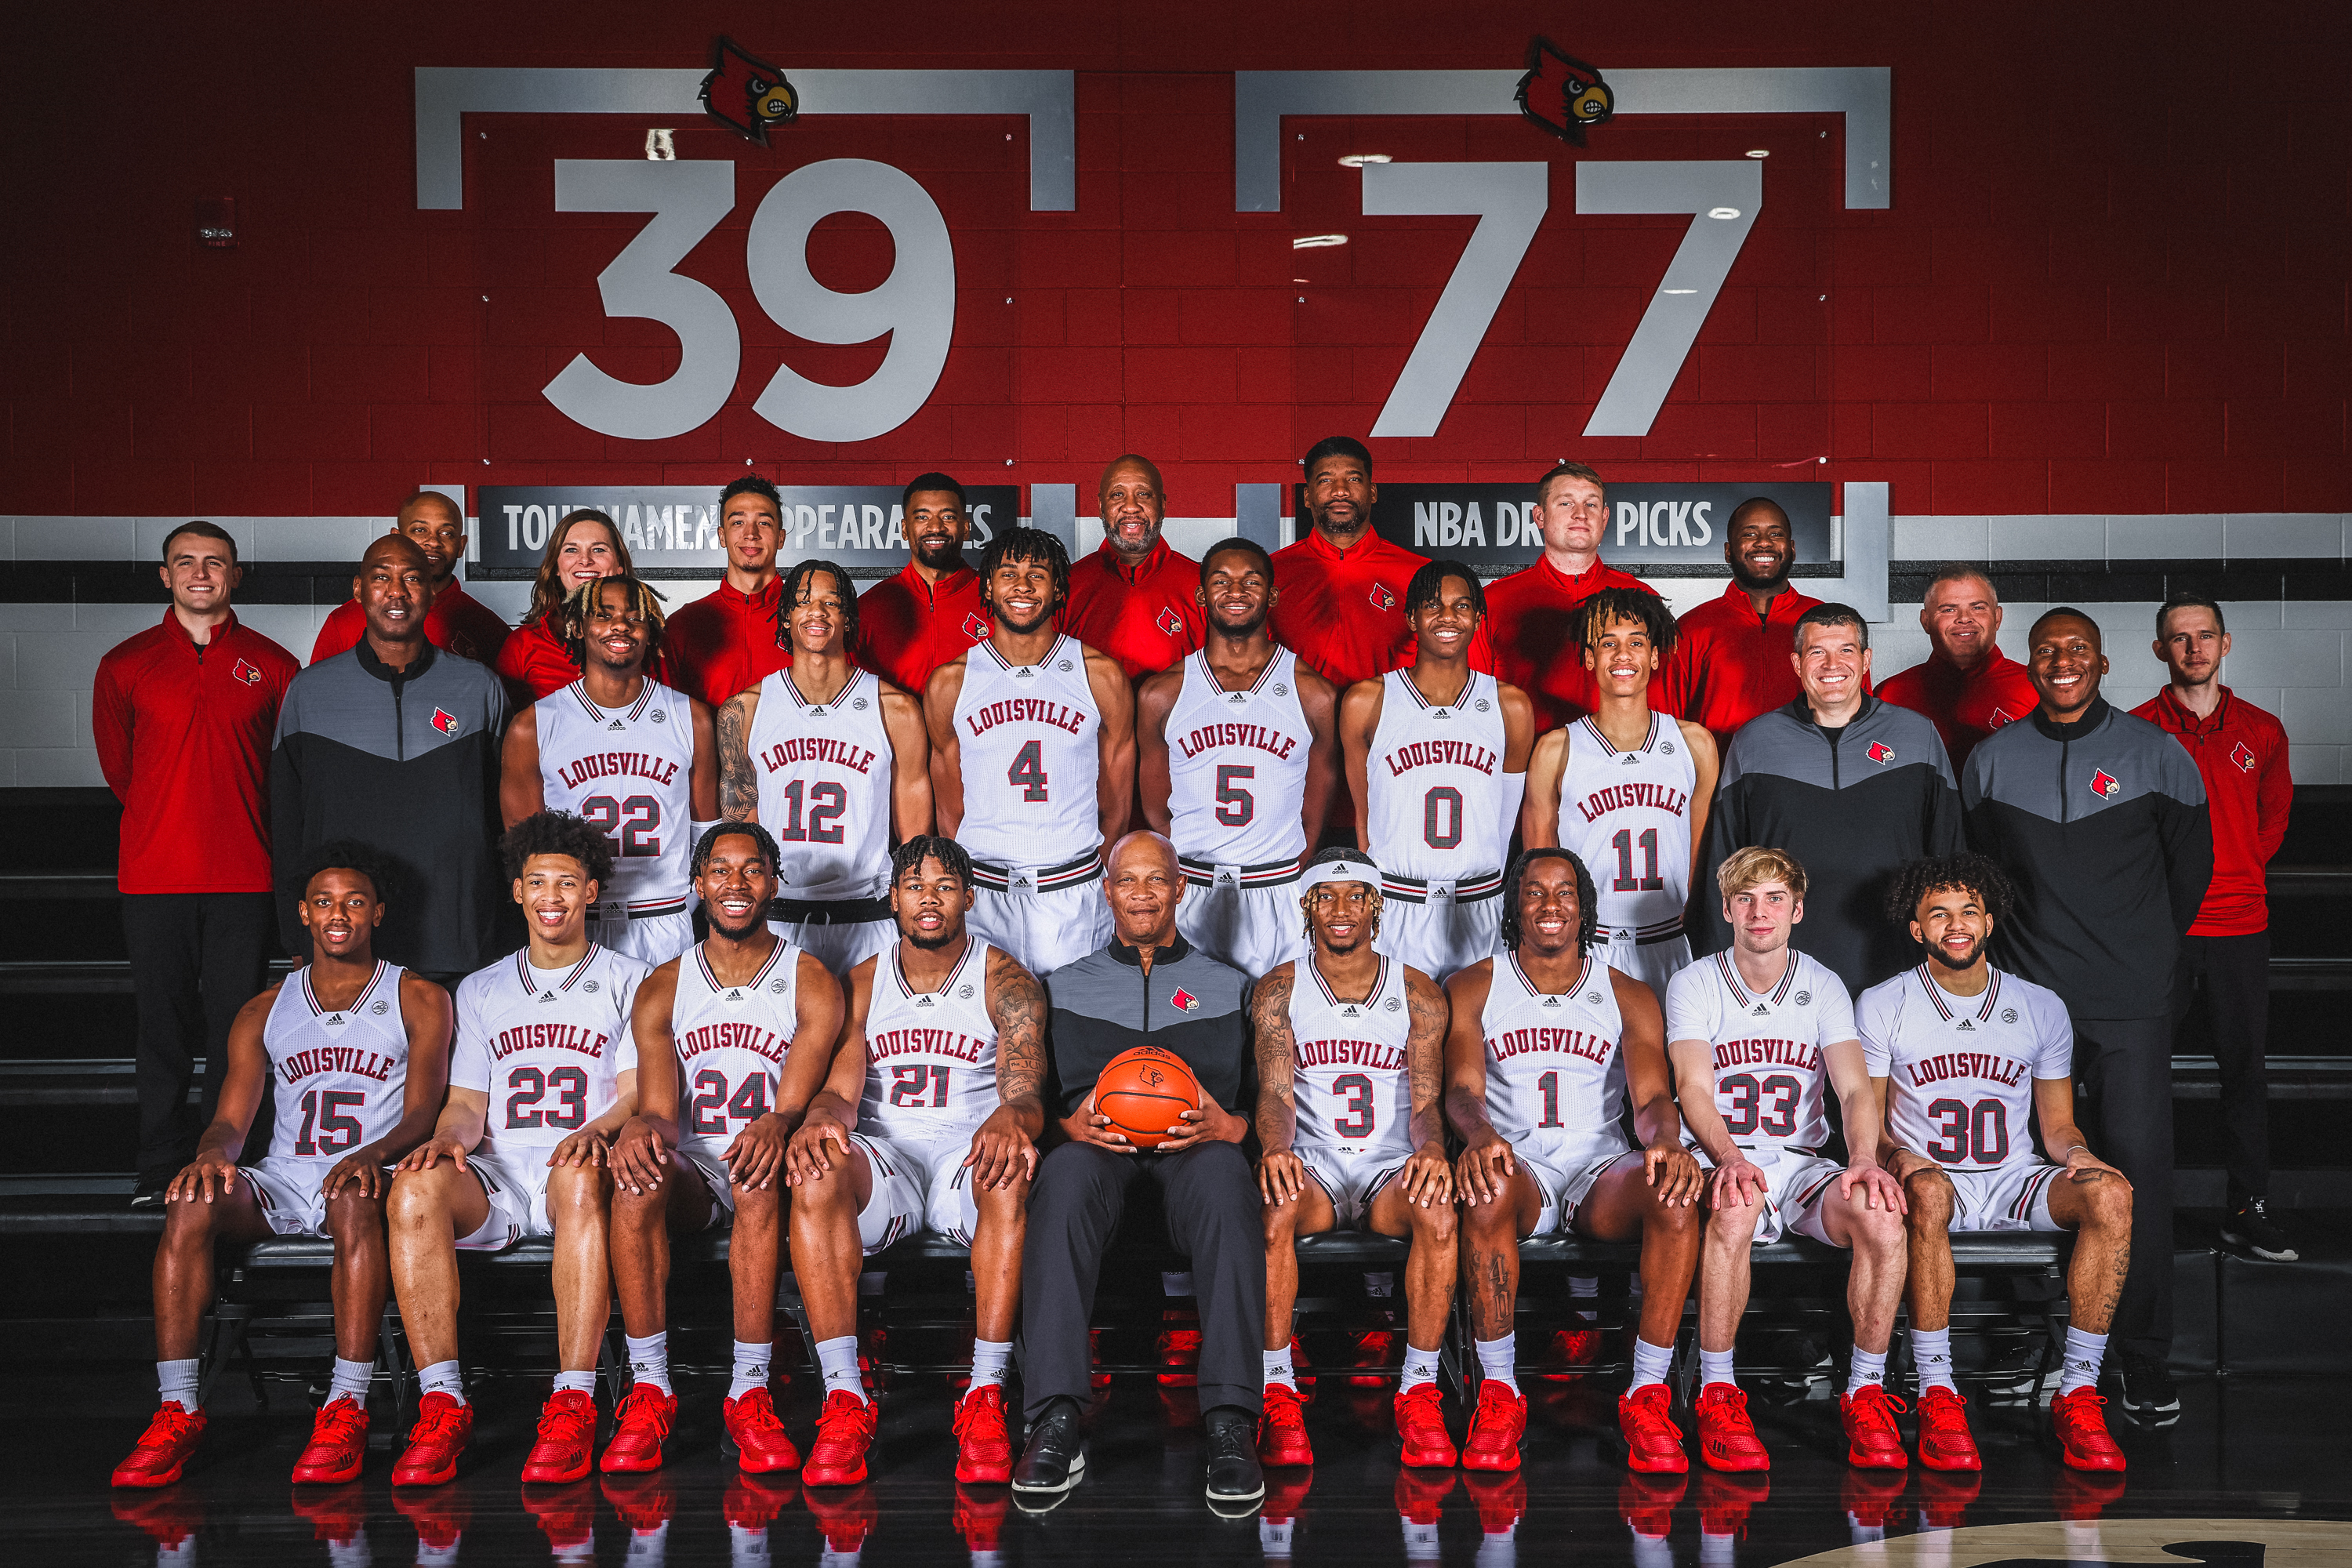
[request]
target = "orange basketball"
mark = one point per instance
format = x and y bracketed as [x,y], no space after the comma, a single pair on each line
[1146,1092]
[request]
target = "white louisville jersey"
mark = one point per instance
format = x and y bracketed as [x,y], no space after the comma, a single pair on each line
[1771,1082]
[628,772]
[1237,765]
[1960,1069]
[1435,777]
[338,1074]
[1626,815]
[930,1056]
[1348,1076]
[731,1044]
[1555,1078]
[826,772]
[547,1046]
[1026,735]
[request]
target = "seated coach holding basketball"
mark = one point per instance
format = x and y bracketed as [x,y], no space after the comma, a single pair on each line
[1188,1009]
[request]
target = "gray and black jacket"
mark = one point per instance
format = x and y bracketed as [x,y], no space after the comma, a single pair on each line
[1852,806]
[2102,828]
[406,761]
[1190,1004]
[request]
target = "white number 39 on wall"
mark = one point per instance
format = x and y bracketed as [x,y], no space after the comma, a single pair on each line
[915,305]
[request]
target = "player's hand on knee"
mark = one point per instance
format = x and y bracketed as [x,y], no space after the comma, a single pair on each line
[1281,1176]
[1879,1190]
[757,1154]
[1674,1173]
[1485,1168]
[431,1152]
[581,1148]
[813,1151]
[1428,1177]
[2081,1163]
[1738,1184]
[640,1157]
[1002,1153]
[207,1176]
[1090,1126]
[352,1171]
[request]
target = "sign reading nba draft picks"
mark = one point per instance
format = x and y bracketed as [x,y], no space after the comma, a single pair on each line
[1494,527]
[674,528]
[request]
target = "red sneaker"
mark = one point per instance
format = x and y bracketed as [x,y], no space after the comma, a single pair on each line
[567,1517]
[1282,1430]
[980,1518]
[1572,1350]
[1945,1442]
[1420,1498]
[162,1450]
[1653,1444]
[1724,1500]
[2082,1495]
[338,1445]
[1871,1440]
[640,1425]
[984,1453]
[645,1502]
[439,1518]
[337,1516]
[1727,1435]
[1423,1441]
[1502,1501]
[2082,1431]
[1646,1504]
[443,1425]
[1278,1515]
[761,1445]
[844,1430]
[1496,1427]
[753,1501]
[1944,1499]
[846,1518]
[1871,1497]
[566,1448]
[1375,1349]
[169,1518]
[1179,1346]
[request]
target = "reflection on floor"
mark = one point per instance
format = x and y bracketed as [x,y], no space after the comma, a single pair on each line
[2258,1463]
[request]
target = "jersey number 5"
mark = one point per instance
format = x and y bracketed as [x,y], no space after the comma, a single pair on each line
[1234,807]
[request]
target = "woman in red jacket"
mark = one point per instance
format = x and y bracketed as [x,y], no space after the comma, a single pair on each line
[585,546]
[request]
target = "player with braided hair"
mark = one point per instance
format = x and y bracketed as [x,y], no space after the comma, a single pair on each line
[636,760]
[1548,1046]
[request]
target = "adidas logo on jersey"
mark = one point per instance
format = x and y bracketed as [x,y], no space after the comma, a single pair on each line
[1629,759]
[1967,1028]
[922,1001]
[1024,672]
[334,1019]
[546,996]
[1761,1009]
[617,724]
[1552,1001]
[1351,1011]
[735,995]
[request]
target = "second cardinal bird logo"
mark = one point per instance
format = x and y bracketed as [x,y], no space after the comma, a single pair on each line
[1382,598]
[1171,623]
[2241,754]
[1563,94]
[444,721]
[252,677]
[746,94]
[2106,785]
[1880,753]
[974,627]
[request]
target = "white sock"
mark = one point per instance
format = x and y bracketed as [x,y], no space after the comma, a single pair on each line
[441,1377]
[1582,1288]
[1420,1367]
[1717,1550]
[1931,1353]
[839,1358]
[352,1378]
[576,1382]
[2083,1353]
[1278,1369]
[750,1368]
[1498,1551]
[1496,1359]
[1273,1539]
[1653,1550]
[351,1552]
[1651,1363]
[649,1359]
[648,1547]
[1420,1541]
[989,1360]
[437,1557]
[1868,1367]
[747,1548]
[1714,1366]
[177,1381]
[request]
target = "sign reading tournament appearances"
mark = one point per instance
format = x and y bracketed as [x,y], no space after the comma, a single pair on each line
[676,527]
[1493,527]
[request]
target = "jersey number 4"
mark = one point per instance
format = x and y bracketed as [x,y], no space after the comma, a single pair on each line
[1027,773]
[629,825]
[1623,841]
[1966,1132]
[528,1086]
[714,1107]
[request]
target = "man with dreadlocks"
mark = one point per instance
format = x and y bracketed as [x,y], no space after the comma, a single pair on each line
[1032,759]
[1547,1045]
[636,758]
[1967,1061]
[1350,1055]
[833,760]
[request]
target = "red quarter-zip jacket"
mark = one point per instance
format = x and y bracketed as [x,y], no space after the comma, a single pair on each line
[907,627]
[183,734]
[1729,664]
[1965,705]
[1147,618]
[2241,755]
[724,642]
[1342,611]
[1528,639]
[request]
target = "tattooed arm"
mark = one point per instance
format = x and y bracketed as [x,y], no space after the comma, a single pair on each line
[1428,1176]
[1006,1147]
[739,782]
[1487,1164]
[1281,1174]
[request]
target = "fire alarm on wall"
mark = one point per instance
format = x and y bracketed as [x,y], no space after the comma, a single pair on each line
[217,222]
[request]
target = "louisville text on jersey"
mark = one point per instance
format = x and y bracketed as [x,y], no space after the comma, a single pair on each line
[611,764]
[1967,1064]
[1569,1042]
[1210,736]
[926,1042]
[1440,754]
[1019,709]
[1767,1053]
[1348,1054]
[728,1035]
[815,749]
[336,1059]
[548,1037]
[1658,797]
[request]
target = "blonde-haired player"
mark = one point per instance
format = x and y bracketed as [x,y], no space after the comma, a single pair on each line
[1758,1034]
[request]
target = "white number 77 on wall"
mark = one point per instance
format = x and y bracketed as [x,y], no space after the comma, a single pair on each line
[1509,200]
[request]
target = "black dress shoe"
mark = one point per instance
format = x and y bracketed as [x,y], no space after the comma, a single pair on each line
[148,1198]
[2146,1392]
[1236,1482]
[1055,1458]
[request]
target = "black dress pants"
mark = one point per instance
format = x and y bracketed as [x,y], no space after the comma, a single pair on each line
[2230,978]
[2126,1066]
[1215,1217]
[195,959]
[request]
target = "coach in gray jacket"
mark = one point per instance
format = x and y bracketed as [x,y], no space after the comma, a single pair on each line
[1152,987]
[395,743]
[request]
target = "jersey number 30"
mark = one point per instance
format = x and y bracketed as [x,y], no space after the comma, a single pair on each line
[1966,1132]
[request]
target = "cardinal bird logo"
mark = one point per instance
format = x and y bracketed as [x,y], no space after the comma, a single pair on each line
[1563,94]
[444,721]
[1169,623]
[2106,784]
[2241,754]
[1185,1000]
[1382,598]
[746,94]
[1880,753]
[974,627]
[252,677]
